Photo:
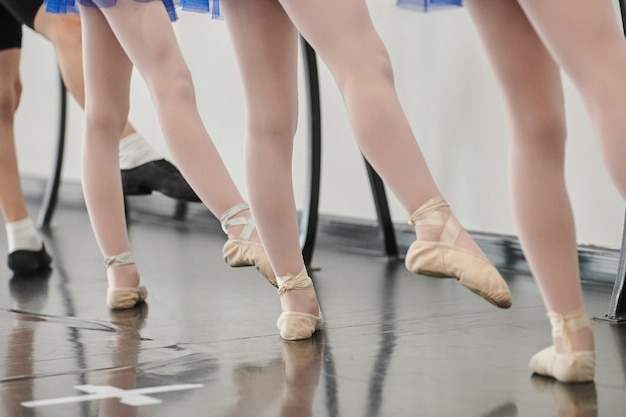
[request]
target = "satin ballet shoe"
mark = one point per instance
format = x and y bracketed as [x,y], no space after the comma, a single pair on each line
[242,252]
[119,298]
[441,259]
[294,325]
[570,366]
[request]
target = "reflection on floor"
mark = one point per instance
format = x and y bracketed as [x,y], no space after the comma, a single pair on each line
[394,344]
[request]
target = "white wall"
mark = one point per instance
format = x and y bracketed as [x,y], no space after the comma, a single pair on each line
[444,83]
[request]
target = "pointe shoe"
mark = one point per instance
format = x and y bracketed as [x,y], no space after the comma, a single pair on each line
[294,325]
[441,259]
[243,252]
[571,366]
[119,298]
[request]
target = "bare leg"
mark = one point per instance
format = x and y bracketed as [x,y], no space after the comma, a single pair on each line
[11,198]
[25,246]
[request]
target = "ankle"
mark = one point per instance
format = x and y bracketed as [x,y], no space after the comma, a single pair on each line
[300,300]
[581,340]
[238,224]
[123,276]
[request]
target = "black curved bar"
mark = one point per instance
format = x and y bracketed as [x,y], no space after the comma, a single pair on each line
[310,213]
[617,305]
[382,210]
[50,198]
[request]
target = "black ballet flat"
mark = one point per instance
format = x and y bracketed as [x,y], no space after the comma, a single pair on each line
[159,176]
[25,261]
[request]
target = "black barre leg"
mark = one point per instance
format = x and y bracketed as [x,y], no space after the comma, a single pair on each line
[309,219]
[382,210]
[49,202]
[617,306]
[310,214]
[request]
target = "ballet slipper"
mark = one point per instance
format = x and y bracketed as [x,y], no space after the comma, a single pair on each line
[242,252]
[294,325]
[125,297]
[441,259]
[570,366]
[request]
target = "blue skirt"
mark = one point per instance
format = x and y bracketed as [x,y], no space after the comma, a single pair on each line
[198,6]
[428,5]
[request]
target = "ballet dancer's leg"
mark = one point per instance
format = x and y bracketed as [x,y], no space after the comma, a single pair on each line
[143,169]
[11,199]
[159,60]
[107,88]
[348,43]
[25,246]
[531,83]
[266,45]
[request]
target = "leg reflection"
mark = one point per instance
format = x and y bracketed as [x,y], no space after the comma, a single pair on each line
[287,383]
[125,353]
[29,293]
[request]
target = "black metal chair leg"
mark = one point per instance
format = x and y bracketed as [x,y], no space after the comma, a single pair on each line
[52,188]
[310,213]
[382,210]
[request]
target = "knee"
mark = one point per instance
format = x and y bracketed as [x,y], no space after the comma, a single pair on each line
[371,67]
[64,31]
[276,125]
[10,93]
[546,132]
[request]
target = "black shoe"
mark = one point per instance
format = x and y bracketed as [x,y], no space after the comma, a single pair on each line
[159,176]
[25,261]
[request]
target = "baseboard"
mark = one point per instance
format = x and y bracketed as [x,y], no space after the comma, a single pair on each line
[597,264]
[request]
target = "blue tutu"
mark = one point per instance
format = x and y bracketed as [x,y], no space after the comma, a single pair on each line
[428,5]
[198,6]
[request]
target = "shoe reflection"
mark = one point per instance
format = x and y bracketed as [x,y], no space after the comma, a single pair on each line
[287,384]
[571,400]
[508,409]
[126,344]
[29,293]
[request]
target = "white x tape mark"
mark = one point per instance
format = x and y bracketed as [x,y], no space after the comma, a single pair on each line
[134,397]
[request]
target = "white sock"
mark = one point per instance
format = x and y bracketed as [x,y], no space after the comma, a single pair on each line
[135,151]
[23,235]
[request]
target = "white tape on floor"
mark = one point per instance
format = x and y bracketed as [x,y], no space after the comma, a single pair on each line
[133,397]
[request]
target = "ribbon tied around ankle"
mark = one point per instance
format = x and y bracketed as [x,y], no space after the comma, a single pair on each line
[121,259]
[563,325]
[294,282]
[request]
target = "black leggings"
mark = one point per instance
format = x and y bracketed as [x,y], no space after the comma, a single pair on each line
[14,14]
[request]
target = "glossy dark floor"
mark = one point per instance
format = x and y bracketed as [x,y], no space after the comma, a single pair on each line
[394,344]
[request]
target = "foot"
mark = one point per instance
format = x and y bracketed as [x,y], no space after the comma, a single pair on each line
[301,315]
[125,289]
[443,249]
[243,247]
[572,356]
[159,175]
[24,261]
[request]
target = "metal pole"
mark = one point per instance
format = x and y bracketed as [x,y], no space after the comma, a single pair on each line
[52,187]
